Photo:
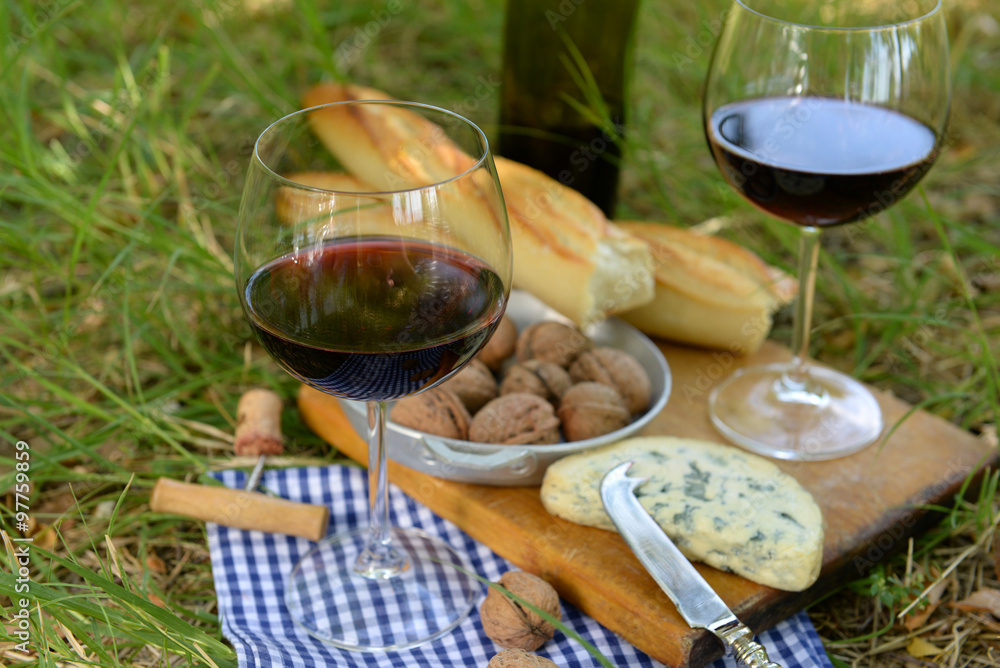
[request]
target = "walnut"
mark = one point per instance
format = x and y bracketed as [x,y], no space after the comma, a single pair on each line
[474,385]
[519,418]
[619,370]
[514,657]
[591,409]
[500,346]
[551,341]
[547,380]
[437,411]
[508,623]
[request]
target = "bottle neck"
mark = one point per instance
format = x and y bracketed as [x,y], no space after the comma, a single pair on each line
[564,90]
[545,42]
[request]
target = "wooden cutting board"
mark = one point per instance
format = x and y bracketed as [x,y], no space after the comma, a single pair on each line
[871,501]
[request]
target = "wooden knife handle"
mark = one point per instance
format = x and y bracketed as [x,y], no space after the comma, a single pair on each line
[239,509]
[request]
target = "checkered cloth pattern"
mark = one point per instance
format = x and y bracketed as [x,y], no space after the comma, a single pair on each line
[250,570]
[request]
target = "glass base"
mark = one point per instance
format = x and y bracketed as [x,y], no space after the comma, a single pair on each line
[335,604]
[824,415]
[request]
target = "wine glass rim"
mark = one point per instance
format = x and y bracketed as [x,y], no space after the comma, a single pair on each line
[884,26]
[478,162]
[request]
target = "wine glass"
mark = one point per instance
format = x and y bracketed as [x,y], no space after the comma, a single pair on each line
[373,261]
[820,114]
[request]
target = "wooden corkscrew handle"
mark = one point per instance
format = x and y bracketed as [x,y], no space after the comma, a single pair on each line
[240,509]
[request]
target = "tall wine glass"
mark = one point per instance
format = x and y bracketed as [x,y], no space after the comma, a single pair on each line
[373,261]
[820,114]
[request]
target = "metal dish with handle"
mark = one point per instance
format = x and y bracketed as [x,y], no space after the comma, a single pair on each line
[520,465]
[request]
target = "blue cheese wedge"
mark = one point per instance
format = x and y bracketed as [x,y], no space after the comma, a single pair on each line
[721,505]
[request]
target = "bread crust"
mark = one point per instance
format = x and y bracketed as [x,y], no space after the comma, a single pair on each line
[710,292]
[389,147]
[567,253]
[394,150]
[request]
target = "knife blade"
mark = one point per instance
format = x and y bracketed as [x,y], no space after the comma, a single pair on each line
[699,604]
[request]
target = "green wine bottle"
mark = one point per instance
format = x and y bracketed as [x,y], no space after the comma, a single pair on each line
[563,90]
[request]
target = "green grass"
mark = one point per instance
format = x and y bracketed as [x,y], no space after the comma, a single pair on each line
[125,131]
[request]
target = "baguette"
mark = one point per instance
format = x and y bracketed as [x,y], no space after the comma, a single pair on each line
[391,148]
[710,292]
[565,251]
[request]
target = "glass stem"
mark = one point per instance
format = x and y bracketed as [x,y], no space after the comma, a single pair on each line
[794,381]
[380,559]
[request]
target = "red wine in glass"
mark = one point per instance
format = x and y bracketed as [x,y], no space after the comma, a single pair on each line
[820,114]
[372,288]
[374,318]
[777,152]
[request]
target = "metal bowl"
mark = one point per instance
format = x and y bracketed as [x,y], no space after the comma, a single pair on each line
[519,465]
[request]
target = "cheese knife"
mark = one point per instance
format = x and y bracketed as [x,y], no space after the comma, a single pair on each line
[695,599]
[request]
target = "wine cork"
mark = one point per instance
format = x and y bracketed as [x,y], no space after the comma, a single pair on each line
[239,509]
[258,424]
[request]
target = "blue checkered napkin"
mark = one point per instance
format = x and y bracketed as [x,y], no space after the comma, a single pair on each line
[250,569]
